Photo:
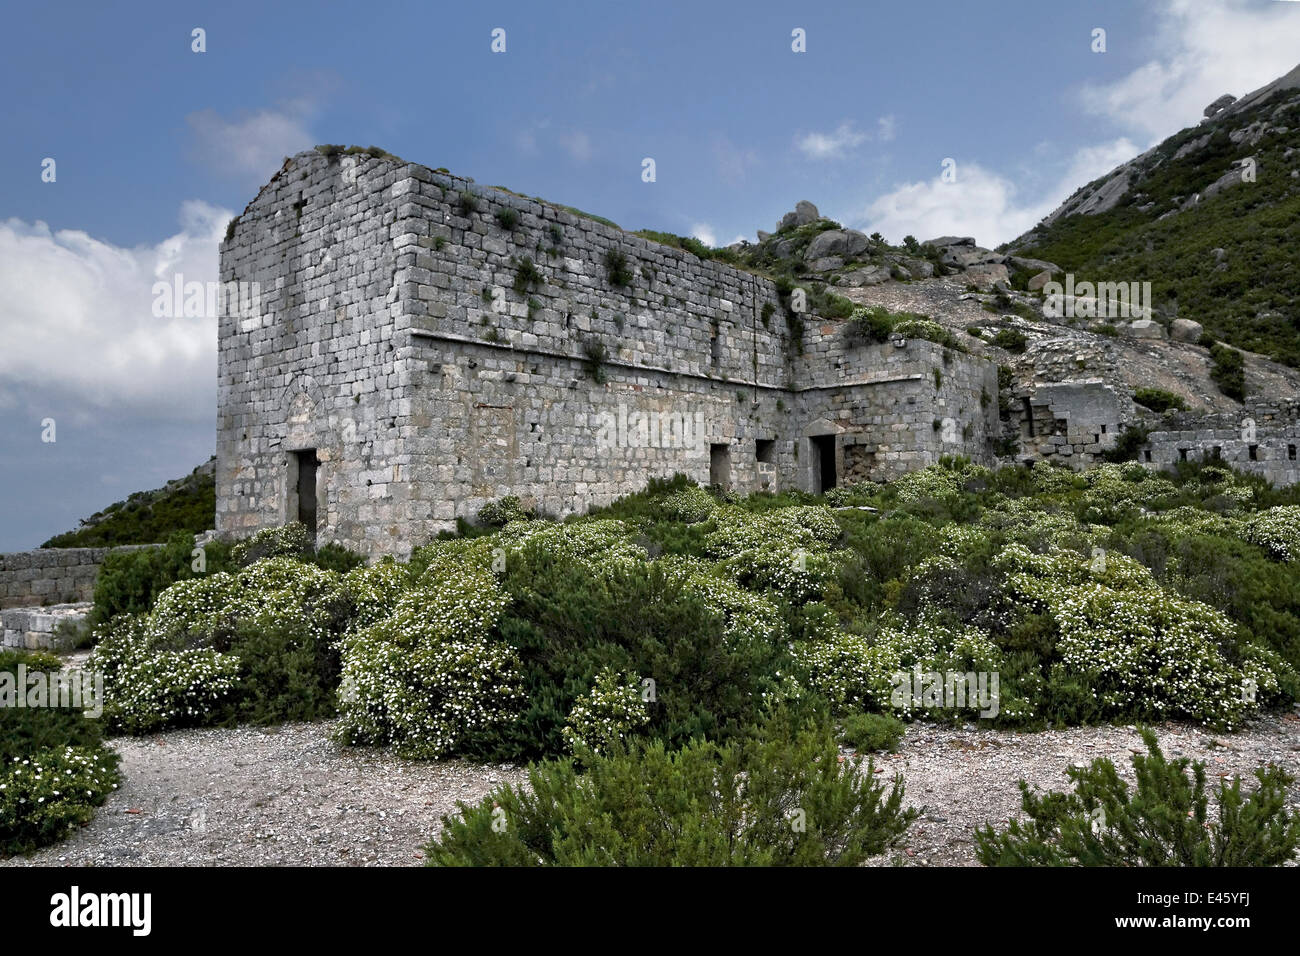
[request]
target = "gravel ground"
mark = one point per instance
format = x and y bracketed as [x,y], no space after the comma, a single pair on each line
[290,796]
[966,778]
[275,796]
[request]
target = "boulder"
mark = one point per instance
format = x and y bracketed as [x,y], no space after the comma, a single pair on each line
[918,268]
[836,242]
[1143,329]
[868,275]
[1037,282]
[1185,330]
[943,242]
[804,213]
[965,257]
[1222,103]
[764,236]
[1038,265]
[988,274]
[825,264]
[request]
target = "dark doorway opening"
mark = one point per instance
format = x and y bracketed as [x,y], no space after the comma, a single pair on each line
[307,489]
[720,466]
[824,446]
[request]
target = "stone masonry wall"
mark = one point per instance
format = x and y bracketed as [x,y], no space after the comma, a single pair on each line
[440,345]
[50,575]
[1263,440]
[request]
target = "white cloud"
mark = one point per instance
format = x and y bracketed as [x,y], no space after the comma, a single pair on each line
[1203,49]
[704,232]
[982,203]
[253,145]
[833,145]
[78,319]
[838,143]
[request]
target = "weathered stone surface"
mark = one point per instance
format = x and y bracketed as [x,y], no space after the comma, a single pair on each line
[390,343]
[1036,283]
[836,242]
[51,575]
[1185,330]
[868,275]
[1219,105]
[944,242]
[1039,265]
[1143,329]
[804,213]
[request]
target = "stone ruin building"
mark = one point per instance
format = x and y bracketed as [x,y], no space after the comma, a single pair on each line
[423,345]
[420,345]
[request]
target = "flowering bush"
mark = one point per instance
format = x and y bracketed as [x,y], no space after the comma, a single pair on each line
[1277,531]
[502,512]
[610,711]
[599,543]
[945,481]
[784,550]
[689,504]
[170,689]
[1144,652]
[430,675]
[374,591]
[44,795]
[288,541]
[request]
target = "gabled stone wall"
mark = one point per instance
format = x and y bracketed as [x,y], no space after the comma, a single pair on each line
[440,345]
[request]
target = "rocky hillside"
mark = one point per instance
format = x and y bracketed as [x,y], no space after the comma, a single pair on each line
[992,303]
[147,517]
[1211,217]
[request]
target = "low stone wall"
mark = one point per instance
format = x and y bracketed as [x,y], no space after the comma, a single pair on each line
[51,575]
[1263,440]
[54,628]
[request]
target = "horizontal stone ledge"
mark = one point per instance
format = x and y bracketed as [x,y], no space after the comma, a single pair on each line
[619,363]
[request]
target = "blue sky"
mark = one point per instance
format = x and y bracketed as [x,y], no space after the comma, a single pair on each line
[157,146]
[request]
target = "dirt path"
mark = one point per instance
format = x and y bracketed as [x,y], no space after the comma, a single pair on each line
[291,796]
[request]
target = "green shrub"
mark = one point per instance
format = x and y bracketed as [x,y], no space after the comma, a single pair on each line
[1159,400]
[499,513]
[705,645]
[616,268]
[1165,822]
[507,218]
[335,557]
[689,504]
[47,793]
[527,277]
[1013,340]
[431,677]
[130,581]
[782,800]
[867,733]
[1228,371]
[290,540]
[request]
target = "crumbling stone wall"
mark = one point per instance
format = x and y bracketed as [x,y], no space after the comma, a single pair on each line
[1264,440]
[1072,423]
[436,345]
